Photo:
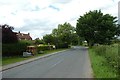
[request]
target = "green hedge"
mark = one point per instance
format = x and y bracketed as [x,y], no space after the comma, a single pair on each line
[61,45]
[44,47]
[15,48]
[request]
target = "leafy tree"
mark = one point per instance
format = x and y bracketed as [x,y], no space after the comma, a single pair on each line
[75,38]
[95,27]
[8,36]
[64,32]
[62,36]
[39,41]
[48,38]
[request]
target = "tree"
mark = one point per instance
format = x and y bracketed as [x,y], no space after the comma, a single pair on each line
[48,38]
[75,39]
[62,36]
[39,41]
[8,36]
[64,32]
[95,27]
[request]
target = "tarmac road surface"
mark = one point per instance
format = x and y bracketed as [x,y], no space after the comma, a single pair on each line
[73,63]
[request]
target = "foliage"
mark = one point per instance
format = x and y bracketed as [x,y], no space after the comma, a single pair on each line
[8,36]
[64,32]
[38,41]
[75,39]
[28,42]
[110,55]
[44,47]
[96,27]
[62,45]
[13,49]
[48,38]
[62,36]
[99,67]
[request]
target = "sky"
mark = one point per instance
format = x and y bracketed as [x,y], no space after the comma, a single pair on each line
[40,17]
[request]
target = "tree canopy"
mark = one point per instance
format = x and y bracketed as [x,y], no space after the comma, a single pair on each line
[97,27]
[48,38]
[64,32]
[8,36]
[62,36]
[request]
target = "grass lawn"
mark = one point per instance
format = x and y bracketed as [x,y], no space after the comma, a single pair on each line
[14,59]
[99,61]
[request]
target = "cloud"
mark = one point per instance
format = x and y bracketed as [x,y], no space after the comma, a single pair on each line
[53,7]
[39,17]
[61,1]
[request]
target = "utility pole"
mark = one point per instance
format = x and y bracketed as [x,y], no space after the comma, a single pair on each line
[119,12]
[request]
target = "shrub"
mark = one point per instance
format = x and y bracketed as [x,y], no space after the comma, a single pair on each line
[119,59]
[27,42]
[14,49]
[44,47]
[111,55]
[61,45]
[100,50]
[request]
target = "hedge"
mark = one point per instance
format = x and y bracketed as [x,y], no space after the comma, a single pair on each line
[44,47]
[14,48]
[61,45]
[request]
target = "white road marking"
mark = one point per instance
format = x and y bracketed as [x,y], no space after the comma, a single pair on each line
[56,63]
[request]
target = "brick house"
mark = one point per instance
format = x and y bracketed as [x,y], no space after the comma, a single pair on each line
[22,36]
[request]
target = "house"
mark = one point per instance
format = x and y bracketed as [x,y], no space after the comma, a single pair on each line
[22,36]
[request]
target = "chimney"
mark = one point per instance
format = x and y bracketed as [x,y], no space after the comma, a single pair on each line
[19,32]
[28,33]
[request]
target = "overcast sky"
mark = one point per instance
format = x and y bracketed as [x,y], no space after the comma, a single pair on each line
[39,17]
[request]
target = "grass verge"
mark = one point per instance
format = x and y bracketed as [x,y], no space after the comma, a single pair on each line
[14,59]
[104,61]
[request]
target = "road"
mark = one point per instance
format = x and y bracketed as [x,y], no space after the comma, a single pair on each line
[73,63]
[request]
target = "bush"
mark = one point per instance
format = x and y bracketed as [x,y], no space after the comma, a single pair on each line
[44,47]
[62,45]
[119,59]
[27,42]
[14,49]
[111,55]
[100,50]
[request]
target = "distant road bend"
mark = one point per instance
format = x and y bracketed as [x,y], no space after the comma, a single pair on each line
[73,63]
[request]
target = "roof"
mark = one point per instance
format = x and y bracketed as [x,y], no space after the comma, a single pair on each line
[23,36]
